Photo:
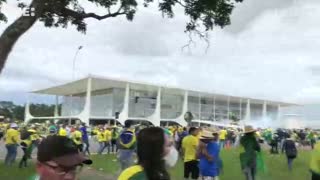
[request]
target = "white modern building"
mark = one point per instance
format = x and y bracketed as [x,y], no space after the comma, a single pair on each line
[99,98]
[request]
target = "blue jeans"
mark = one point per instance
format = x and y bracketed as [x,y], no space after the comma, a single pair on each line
[11,154]
[250,173]
[102,146]
[290,162]
[125,157]
[221,144]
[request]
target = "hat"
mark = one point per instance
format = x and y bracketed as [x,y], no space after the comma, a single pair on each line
[62,151]
[32,131]
[207,135]
[248,129]
[13,125]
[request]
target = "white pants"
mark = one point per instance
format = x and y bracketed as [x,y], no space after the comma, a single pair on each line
[209,178]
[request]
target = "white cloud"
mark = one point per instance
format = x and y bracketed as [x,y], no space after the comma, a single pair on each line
[271,51]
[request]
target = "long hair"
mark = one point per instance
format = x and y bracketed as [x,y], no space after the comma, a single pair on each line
[150,150]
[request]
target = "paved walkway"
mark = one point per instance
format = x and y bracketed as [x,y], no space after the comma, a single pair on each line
[91,174]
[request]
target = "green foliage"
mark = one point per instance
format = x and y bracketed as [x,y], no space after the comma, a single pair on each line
[2,16]
[203,14]
[16,112]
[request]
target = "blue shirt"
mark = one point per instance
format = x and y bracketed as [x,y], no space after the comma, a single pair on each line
[84,133]
[183,134]
[208,168]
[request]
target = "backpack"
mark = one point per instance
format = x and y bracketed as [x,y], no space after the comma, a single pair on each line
[25,134]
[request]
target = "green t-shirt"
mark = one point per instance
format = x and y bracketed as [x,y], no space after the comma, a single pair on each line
[35,177]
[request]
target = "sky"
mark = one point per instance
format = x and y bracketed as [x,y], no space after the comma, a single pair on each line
[270,51]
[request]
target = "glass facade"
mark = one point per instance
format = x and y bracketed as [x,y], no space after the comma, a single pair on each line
[105,103]
[142,103]
[171,106]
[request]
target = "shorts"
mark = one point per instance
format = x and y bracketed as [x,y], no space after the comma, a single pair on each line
[191,167]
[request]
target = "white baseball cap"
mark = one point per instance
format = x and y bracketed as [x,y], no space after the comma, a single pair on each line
[13,125]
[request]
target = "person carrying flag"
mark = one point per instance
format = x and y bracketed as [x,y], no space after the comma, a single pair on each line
[126,146]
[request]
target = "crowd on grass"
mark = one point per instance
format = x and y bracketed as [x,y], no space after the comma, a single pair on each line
[146,152]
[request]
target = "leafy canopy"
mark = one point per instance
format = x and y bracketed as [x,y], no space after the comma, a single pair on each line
[203,14]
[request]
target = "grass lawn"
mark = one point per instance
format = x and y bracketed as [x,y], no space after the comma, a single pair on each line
[276,166]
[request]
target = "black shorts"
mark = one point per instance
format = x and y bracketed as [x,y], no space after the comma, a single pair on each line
[191,167]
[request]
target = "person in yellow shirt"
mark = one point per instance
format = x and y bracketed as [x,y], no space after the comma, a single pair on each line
[108,135]
[26,146]
[189,148]
[77,138]
[12,140]
[314,163]
[63,131]
[222,137]
[101,136]
[35,138]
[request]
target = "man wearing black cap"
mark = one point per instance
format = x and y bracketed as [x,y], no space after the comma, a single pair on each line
[59,159]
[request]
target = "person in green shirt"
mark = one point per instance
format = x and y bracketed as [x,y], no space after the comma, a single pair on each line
[312,139]
[248,153]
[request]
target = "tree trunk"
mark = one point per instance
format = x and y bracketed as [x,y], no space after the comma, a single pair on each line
[13,32]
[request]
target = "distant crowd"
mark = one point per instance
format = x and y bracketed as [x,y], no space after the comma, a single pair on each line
[146,152]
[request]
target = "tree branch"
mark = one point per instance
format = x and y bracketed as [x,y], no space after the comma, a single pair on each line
[189,43]
[83,15]
[202,35]
[179,2]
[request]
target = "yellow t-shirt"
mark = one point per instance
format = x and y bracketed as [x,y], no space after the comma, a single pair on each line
[34,136]
[258,135]
[315,159]
[77,137]
[12,136]
[108,135]
[101,136]
[128,173]
[199,134]
[189,145]
[222,135]
[62,132]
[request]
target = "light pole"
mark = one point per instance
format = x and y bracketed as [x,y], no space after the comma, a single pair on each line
[74,61]
[73,70]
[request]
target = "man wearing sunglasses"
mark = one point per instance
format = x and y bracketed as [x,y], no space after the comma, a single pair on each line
[59,159]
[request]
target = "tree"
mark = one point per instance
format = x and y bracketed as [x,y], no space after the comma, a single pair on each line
[203,15]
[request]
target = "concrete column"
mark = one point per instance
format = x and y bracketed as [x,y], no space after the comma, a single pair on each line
[56,107]
[27,114]
[156,116]
[228,114]
[248,111]
[240,109]
[264,110]
[124,114]
[199,110]
[214,108]
[279,114]
[84,116]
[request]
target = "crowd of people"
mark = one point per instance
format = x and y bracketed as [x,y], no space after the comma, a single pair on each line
[146,153]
